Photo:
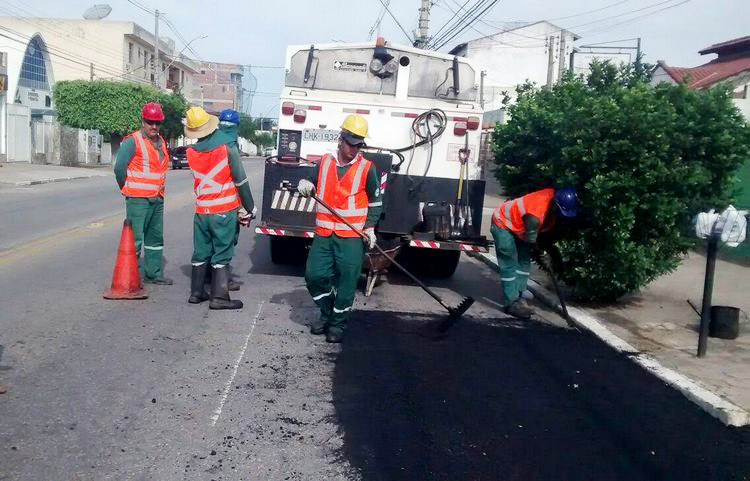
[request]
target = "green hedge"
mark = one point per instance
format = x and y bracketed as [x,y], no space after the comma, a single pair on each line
[644,159]
[114,107]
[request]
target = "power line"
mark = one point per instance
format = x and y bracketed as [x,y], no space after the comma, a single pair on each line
[467,25]
[378,19]
[590,11]
[395,19]
[450,19]
[438,39]
[472,21]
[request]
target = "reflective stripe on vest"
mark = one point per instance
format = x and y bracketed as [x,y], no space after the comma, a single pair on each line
[146,171]
[347,196]
[509,214]
[215,192]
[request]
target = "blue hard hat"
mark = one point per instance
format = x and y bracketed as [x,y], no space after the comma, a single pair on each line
[567,201]
[229,115]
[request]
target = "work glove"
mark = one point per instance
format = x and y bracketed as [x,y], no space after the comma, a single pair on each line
[305,187]
[244,218]
[371,239]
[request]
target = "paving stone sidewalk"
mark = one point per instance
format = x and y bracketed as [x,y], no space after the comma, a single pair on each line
[20,174]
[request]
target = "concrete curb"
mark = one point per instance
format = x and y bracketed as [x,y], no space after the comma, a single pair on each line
[718,407]
[49,181]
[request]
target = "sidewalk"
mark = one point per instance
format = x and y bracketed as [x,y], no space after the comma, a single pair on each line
[659,330]
[20,174]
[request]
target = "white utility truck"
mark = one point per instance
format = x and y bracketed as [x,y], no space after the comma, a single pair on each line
[424,119]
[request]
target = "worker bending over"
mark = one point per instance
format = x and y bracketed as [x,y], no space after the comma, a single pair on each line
[349,184]
[220,187]
[515,226]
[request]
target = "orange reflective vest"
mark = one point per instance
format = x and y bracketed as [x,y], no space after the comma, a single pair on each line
[347,196]
[509,215]
[215,192]
[146,172]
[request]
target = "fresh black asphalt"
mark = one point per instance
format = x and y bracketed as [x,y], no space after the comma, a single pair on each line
[497,399]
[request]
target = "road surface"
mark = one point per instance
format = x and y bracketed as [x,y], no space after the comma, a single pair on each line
[163,390]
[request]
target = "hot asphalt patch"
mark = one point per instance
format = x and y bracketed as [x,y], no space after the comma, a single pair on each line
[500,399]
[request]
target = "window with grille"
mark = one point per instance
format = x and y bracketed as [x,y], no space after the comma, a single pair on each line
[33,69]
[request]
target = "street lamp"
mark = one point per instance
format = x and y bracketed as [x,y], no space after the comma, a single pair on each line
[183,49]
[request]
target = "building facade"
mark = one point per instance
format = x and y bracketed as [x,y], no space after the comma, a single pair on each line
[43,51]
[730,67]
[218,86]
[519,53]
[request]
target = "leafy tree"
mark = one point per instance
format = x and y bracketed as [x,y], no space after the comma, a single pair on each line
[644,159]
[246,128]
[264,139]
[115,107]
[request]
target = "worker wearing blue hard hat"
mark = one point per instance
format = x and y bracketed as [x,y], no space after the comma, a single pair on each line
[516,225]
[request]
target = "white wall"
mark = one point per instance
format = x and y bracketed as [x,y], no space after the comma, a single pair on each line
[513,57]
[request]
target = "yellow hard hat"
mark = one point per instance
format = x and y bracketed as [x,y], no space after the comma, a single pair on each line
[355,124]
[198,123]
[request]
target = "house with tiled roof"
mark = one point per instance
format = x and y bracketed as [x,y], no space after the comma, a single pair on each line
[731,66]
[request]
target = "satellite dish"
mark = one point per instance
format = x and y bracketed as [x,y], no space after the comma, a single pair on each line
[97,12]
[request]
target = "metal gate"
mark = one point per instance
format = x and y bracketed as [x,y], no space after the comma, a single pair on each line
[19,133]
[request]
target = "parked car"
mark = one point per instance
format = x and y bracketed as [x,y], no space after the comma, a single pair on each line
[178,157]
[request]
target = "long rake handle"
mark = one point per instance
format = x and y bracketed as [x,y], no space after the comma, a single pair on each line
[380,249]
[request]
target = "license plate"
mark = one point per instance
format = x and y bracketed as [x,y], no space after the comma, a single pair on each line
[320,135]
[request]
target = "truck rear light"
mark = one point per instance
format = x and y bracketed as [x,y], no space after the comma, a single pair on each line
[300,116]
[287,108]
[314,107]
[459,128]
[472,123]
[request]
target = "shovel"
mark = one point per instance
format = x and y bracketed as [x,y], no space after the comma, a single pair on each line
[454,313]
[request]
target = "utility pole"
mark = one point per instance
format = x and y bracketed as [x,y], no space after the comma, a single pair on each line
[550,61]
[91,71]
[482,74]
[156,49]
[424,20]
[638,51]
[561,67]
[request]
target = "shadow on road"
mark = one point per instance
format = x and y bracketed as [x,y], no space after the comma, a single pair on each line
[499,399]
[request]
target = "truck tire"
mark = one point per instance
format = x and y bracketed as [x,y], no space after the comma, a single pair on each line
[444,263]
[432,262]
[288,250]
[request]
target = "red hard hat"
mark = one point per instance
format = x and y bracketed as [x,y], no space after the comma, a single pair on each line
[152,111]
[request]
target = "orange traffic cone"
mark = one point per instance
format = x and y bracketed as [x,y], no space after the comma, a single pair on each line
[126,281]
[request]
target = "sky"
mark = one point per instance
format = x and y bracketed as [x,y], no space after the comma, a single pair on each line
[257,33]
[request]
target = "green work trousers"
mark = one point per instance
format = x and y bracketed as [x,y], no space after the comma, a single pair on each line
[514,257]
[147,217]
[213,238]
[333,268]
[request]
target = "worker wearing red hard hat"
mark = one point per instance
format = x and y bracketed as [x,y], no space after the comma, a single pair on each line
[140,170]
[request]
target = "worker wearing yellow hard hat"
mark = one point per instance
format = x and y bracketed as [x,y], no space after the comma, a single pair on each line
[221,187]
[349,184]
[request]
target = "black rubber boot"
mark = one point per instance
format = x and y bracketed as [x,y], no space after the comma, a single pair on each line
[234,285]
[518,309]
[198,292]
[220,290]
[334,335]
[317,327]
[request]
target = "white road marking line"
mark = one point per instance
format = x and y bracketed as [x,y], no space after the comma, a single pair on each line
[217,411]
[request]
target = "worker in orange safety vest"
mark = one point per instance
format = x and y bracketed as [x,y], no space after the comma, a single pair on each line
[221,187]
[140,170]
[349,184]
[516,224]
